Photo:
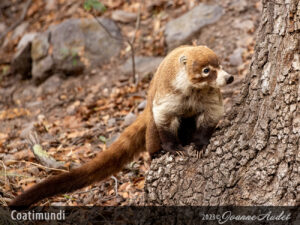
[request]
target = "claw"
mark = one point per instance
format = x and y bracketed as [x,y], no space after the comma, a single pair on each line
[180,153]
[199,154]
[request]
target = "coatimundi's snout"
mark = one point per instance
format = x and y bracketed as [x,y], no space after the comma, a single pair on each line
[223,78]
[205,70]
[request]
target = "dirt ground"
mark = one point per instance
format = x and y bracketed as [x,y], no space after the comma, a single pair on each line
[73,118]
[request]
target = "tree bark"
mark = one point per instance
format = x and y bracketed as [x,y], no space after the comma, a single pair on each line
[254,159]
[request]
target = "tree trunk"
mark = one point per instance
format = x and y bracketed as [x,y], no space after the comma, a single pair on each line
[254,159]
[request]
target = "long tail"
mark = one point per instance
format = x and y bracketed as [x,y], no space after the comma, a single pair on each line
[130,143]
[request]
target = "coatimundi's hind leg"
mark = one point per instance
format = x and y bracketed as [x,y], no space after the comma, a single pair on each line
[153,143]
[161,138]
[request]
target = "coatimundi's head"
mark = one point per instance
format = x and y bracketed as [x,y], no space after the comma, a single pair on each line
[203,68]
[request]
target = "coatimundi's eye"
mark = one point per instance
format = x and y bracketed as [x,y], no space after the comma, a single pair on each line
[206,70]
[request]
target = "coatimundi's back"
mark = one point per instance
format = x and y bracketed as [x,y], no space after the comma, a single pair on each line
[184,105]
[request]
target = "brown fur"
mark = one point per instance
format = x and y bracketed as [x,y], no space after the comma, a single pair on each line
[202,106]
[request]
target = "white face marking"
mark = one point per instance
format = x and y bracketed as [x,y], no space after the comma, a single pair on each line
[182,82]
[222,76]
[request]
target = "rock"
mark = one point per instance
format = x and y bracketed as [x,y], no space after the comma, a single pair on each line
[123,16]
[182,29]
[111,122]
[26,39]
[74,43]
[50,86]
[144,65]
[40,46]
[20,30]
[2,27]
[28,93]
[74,37]
[142,105]
[129,119]
[43,64]
[21,62]
[42,69]
[236,58]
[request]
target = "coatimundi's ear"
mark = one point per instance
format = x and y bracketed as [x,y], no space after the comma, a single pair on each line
[183,60]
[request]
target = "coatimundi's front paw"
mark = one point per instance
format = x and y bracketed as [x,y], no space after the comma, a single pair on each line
[199,150]
[173,148]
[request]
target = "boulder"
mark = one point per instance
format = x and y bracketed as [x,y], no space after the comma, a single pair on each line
[129,119]
[81,42]
[144,65]
[26,39]
[67,48]
[20,30]
[185,27]
[21,62]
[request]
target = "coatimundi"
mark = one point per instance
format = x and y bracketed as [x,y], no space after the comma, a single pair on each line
[184,105]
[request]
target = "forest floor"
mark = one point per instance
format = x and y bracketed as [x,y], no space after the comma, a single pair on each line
[75,117]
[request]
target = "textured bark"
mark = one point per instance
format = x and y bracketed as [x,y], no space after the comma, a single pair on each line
[255,158]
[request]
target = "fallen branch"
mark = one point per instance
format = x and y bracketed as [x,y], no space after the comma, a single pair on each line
[39,165]
[116,185]
[14,25]
[40,154]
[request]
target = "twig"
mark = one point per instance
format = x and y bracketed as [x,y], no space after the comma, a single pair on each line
[130,43]
[13,26]
[40,166]
[137,23]
[89,190]
[116,185]
[5,172]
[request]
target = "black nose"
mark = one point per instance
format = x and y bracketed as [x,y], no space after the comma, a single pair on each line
[229,80]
